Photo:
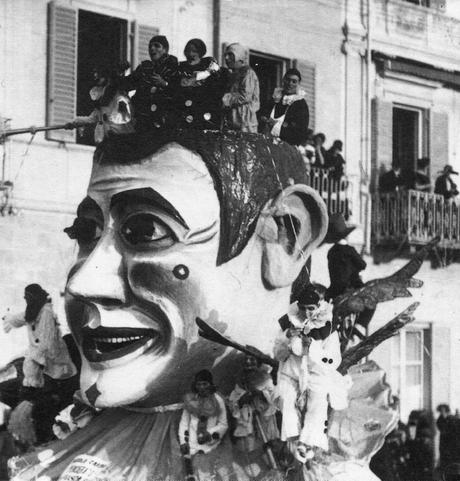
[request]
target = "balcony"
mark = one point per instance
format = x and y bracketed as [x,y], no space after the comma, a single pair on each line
[334,192]
[401,26]
[413,218]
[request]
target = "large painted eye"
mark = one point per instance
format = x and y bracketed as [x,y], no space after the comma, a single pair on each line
[146,230]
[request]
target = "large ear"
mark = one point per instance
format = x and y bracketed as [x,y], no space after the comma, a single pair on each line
[291,226]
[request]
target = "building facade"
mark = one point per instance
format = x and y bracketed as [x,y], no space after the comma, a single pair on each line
[381,75]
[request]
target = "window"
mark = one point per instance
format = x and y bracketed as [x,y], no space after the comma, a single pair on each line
[437,4]
[270,71]
[102,43]
[423,3]
[410,376]
[78,41]
[409,137]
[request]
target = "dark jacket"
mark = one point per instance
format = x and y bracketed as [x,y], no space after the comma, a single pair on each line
[198,104]
[344,265]
[389,182]
[335,162]
[150,104]
[295,125]
[445,186]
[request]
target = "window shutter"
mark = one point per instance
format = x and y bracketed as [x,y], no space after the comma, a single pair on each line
[142,36]
[439,143]
[441,362]
[62,70]
[308,72]
[381,137]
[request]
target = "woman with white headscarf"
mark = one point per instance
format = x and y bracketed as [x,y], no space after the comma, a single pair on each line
[242,99]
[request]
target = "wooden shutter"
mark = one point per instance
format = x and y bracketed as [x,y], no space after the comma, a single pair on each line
[62,70]
[308,72]
[441,362]
[439,143]
[381,137]
[142,36]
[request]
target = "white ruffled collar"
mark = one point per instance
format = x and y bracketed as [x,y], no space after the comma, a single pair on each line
[287,99]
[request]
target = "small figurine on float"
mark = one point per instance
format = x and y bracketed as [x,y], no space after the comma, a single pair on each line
[201,86]
[202,425]
[112,112]
[308,382]
[253,406]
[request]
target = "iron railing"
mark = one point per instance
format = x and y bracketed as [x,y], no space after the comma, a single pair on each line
[333,191]
[416,217]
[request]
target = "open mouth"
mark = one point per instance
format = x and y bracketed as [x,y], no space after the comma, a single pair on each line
[107,343]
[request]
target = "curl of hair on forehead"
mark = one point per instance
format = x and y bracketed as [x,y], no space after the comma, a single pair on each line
[247,170]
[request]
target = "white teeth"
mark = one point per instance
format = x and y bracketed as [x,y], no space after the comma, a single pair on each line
[116,340]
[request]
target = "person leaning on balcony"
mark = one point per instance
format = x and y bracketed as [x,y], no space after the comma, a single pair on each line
[288,114]
[241,102]
[334,160]
[444,185]
[320,152]
[391,181]
[420,179]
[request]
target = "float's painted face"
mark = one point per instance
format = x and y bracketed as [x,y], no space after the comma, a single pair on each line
[138,286]
[135,292]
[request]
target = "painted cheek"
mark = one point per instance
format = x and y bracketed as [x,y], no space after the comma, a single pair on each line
[176,282]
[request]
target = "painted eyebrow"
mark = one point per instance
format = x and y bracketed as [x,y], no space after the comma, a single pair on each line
[88,205]
[149,196]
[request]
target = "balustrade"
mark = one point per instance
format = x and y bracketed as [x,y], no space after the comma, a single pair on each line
[416,217]
[333,191]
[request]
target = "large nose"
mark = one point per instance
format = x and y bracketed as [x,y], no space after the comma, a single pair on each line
[101,276]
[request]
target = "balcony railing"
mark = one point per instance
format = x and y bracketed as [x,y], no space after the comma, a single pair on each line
[333,191]
[416,217]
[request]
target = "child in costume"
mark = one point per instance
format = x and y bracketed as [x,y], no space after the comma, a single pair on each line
[204,420]
[308,380]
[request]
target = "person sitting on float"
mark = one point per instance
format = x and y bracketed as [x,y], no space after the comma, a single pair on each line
[112,113]
[151,80]
[200,88]
[288,118]
[202,427]
[204,419]
[309,353]
[241,102]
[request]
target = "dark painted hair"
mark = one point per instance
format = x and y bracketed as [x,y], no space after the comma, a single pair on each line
[247,169]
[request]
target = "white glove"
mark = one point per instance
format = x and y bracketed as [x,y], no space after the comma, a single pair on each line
[13,321]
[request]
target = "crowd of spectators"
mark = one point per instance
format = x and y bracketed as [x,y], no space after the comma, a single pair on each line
[395,180]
